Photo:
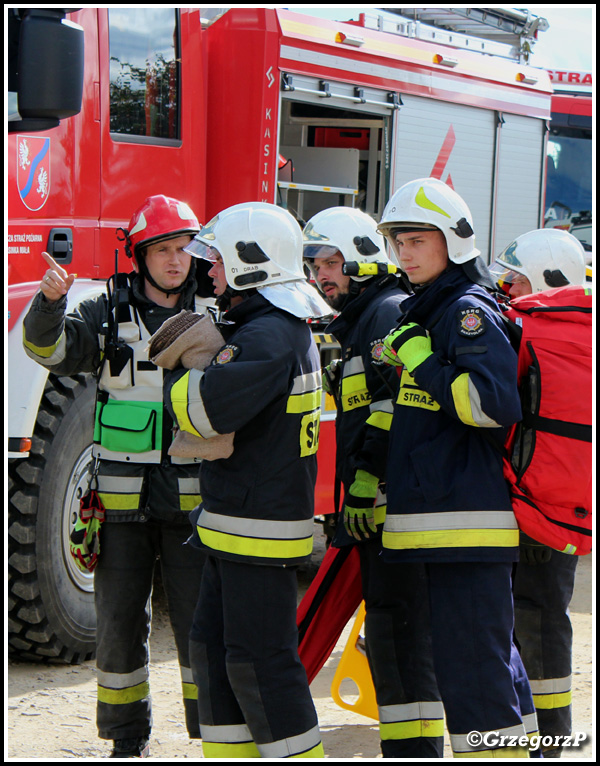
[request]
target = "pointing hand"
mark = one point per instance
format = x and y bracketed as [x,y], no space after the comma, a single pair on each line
[56,282]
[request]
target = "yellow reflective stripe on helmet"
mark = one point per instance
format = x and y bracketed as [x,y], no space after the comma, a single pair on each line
[255,547]
[468,404]
[422,201]
[123,696]
[179,402]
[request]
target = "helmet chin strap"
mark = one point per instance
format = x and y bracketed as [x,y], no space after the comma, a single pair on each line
[223,301]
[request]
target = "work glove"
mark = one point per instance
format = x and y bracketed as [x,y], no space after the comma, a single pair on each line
[532,552]
[84,542]
[408,345]
[359,506]
[331,377]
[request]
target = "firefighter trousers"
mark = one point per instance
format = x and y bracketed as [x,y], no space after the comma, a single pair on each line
[123,588]
[398,646]
[544,634]
[480,675]
[253,695]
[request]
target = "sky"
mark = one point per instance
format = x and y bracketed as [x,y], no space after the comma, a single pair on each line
[569,43]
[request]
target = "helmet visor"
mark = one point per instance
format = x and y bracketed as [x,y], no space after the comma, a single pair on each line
[199,249]
[506,277]
[319,251]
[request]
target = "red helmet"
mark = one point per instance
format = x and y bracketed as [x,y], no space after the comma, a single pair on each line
[160,218]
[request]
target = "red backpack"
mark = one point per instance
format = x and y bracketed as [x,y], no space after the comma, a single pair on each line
[549,453]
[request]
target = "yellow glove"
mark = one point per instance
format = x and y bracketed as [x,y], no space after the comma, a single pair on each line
[409,345]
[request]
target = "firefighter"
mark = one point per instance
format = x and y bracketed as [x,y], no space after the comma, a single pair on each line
[544,578]
[540,260]
[337,242]
[448,503]
[147,495]
[255,522]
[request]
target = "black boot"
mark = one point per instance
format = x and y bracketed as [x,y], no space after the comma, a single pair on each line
[139,747]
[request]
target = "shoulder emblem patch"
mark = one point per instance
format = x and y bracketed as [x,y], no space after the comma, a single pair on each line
[227,354]
[376,352]
[471,322]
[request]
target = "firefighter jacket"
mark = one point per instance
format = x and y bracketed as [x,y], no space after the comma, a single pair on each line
[137,479]
[264,385]
[447,498]
[367,386]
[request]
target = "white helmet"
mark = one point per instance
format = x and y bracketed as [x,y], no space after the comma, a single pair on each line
[261,247]
[351,232]
[428,203]
[547,257]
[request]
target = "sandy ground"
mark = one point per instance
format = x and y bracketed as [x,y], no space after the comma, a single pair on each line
[50,710]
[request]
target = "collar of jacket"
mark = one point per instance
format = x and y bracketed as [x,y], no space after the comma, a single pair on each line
[429,302]
[249,308]
[354,308]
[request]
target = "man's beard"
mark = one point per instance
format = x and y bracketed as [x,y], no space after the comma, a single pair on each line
[336,301]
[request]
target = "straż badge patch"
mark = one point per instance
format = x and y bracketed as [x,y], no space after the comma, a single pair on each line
[471,322]
[227,354]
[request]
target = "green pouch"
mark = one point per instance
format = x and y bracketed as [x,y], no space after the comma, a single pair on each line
[129,426]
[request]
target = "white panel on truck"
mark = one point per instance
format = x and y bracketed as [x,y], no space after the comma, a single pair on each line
[454,143]
[521,157]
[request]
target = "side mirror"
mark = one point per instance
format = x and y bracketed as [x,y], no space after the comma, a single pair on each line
[50,64]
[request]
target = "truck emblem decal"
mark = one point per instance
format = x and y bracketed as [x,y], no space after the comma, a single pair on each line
[443,157]
[33,170]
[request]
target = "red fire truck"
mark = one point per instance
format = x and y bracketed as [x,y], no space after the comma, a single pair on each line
[569,171]
[108,106]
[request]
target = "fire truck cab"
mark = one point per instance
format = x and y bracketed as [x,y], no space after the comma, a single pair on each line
[570,162]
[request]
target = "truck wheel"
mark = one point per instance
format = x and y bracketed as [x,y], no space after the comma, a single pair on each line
[51,603]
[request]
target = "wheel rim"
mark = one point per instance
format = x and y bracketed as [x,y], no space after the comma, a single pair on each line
[76,488]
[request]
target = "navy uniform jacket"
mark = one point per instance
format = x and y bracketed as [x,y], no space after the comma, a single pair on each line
[447,498]
[367,387]
[265,386]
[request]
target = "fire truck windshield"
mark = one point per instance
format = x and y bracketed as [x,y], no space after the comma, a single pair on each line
[569,183]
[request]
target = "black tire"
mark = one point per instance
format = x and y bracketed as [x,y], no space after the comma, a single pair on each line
[51,603]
